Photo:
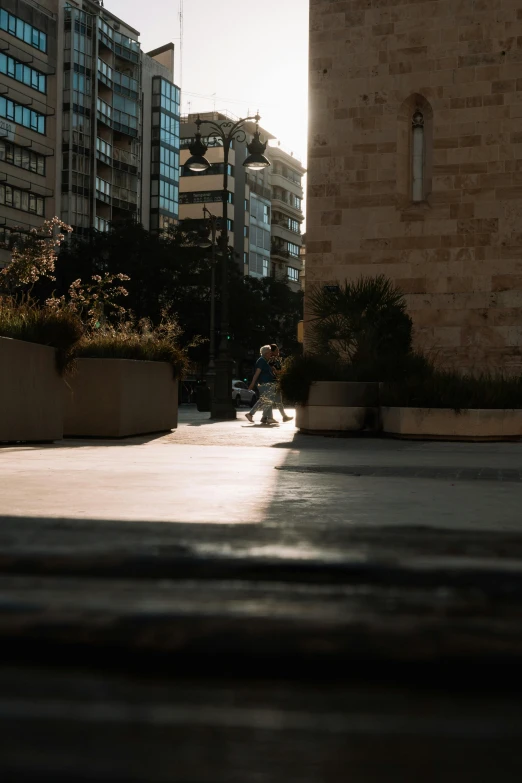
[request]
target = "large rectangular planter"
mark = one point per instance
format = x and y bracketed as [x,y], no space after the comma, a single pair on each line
[31,399]
[339,406]
[446,424]
[115,398]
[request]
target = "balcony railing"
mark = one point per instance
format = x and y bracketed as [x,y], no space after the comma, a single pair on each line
[100,224]
[259,190]
[124,198]
[125,85]
[104,151]
[123,156]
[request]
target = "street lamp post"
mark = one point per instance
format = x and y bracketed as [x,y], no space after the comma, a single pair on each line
[211,371]
[227,131]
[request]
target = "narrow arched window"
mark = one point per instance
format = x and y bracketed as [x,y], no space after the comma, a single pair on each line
[418,156]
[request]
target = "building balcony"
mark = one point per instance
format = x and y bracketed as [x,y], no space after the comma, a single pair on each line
[115,80]
[116,119]
[281,229]
[100,224]
[278,181]
[104,151]
[125,160]
[284,206]
[124,198]
[118,43]
[259,190]
[116,157]
[278,251]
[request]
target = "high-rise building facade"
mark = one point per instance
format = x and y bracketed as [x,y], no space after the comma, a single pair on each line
[89,124]
[161,108]
[415,165]
[29,54]
[120,107]
[286,175]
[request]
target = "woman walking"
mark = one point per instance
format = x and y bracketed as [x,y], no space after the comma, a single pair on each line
[275,364]
[266,380]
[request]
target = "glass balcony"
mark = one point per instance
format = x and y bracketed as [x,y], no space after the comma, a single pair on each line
[100,224]
[125,157]
[104,151]
[103,190]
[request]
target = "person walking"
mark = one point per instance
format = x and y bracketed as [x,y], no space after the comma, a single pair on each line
[265,379]
[275,364]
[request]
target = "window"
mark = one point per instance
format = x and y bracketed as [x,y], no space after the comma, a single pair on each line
[293,250]
[295,201]
[22,30]
[125,105]
[293,274]
[22,157]
[103,187]
[417,157]
[23,73]
[22,200]
[22,115]
[293,225]
[168,164]
[259,210]
[169,133]
[259,265]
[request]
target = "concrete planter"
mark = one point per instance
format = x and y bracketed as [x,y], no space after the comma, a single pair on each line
[338,406]
[31,400]
[445,424]
[115,398]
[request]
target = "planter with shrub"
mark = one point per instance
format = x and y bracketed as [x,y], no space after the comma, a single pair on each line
[449,406]
[36,349]
[125,383]
[359,334]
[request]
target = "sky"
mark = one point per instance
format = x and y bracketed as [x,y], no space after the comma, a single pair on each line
[238,55]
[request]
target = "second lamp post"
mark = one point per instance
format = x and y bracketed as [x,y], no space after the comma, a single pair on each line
[226,131]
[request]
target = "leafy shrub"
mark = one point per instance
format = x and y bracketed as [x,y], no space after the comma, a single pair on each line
[26,320]
[359,321]
[299,372]
[140,342]
[448,389]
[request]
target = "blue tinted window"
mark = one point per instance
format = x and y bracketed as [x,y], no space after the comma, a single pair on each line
[22,30]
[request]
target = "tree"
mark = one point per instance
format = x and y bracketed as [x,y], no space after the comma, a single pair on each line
[170,272]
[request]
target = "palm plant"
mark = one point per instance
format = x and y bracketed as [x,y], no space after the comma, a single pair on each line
[362,322]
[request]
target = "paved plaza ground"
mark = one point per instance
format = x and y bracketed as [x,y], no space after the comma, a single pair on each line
[224,550]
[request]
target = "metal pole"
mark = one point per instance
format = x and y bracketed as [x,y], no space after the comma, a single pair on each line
[211,372]
[222,405]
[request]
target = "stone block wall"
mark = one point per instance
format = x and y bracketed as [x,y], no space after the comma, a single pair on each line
[457,254]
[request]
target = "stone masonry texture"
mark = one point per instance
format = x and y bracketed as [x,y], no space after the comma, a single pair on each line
[457,255]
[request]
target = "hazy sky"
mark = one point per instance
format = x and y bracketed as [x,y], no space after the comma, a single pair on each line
[251,55]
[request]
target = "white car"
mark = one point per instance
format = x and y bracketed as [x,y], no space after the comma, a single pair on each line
[241,395]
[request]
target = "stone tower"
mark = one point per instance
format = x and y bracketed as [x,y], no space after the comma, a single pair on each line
[415,164]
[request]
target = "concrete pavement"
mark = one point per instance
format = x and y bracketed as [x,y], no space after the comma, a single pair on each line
[230,603]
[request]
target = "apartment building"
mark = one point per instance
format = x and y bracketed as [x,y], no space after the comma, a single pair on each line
[262,246]
[89,123]
[28,114]
[160,165]
[206,189]
[286,175]
[120,124]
